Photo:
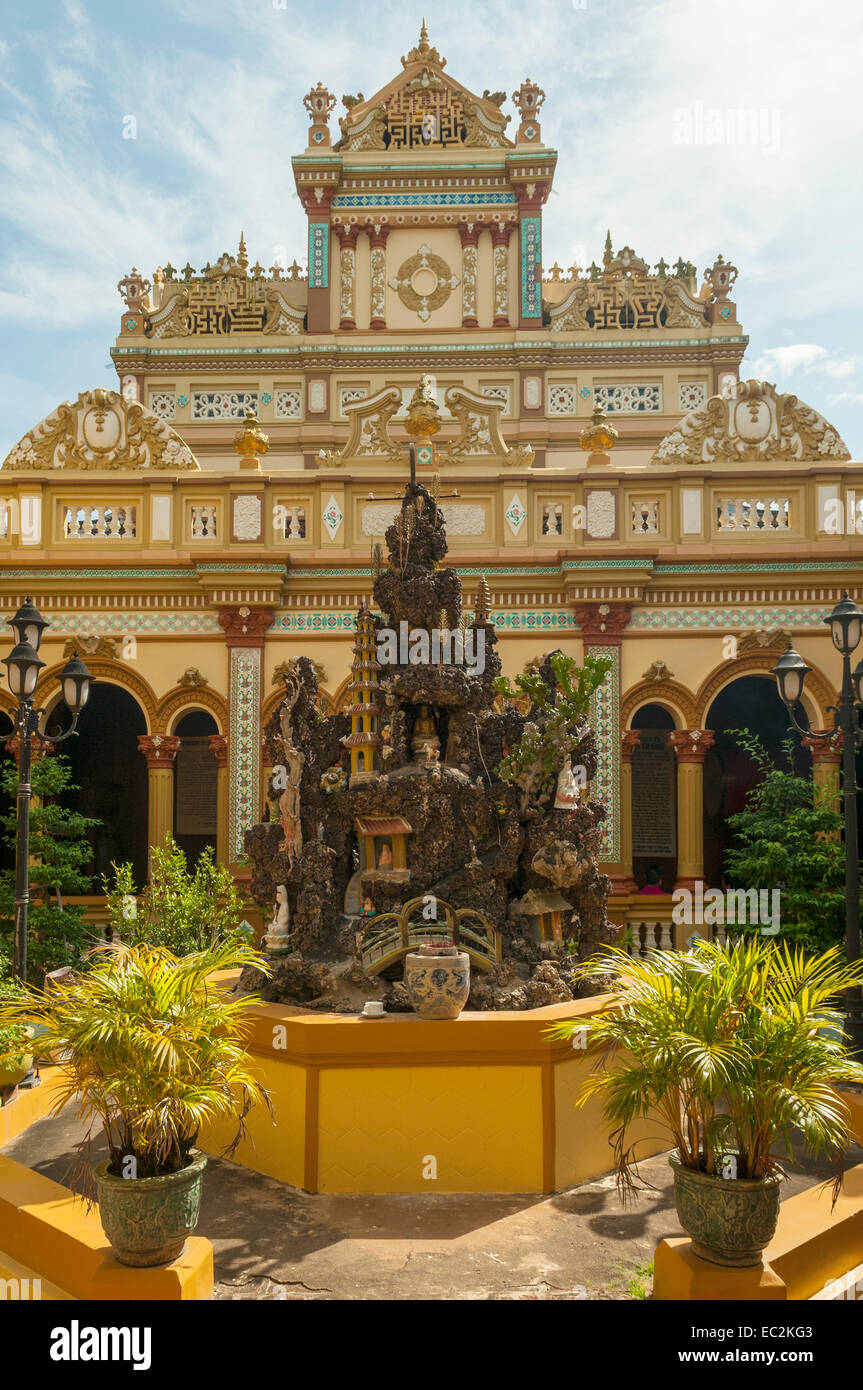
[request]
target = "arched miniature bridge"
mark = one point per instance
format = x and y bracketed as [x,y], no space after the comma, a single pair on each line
[388,938]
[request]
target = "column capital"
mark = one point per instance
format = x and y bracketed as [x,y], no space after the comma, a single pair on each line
[244,626]
[629,741]
[377,233]
[825,751]
[39,748]
[469,233]
[347,234]
[219,748]
[690,745]
[160,750]
[501,233]
[602,624]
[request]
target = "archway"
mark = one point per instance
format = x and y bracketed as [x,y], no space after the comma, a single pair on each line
[654,797]
[750,702]
[195,785]
[110,776]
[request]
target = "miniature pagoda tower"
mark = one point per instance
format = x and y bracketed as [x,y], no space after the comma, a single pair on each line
[364,739]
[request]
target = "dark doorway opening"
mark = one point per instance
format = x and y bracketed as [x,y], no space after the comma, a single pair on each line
[110,774]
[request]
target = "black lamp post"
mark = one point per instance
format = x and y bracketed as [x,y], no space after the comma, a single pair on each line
[846,629]
[23,665]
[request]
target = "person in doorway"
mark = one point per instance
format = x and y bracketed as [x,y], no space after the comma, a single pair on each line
[654,881]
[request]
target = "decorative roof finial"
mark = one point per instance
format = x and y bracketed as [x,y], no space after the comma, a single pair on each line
[424,53]
[423,415]
[242,257]
[599,436]
[250,441]
[608,254]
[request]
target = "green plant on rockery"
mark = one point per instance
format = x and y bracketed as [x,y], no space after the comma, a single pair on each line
[554,726]
[182,909]
[788,837]
[60,854]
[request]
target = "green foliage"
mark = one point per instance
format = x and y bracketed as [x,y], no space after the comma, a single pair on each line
[60,855]
[14,1045]
[641,1280]
[788,837]
[554,726]
[152,1049]
[179,909]
[733,1047]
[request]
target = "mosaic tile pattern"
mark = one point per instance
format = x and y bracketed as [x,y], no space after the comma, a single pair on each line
[139,623]
[244,746]
[606,784]
[319,251]
[686,619]
[421,200]
[531,256]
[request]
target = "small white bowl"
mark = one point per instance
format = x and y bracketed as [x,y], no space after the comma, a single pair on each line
[373,1008]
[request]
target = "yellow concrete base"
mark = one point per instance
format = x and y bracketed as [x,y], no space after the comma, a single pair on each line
[815,1243]
[52,1234]
[481,1103]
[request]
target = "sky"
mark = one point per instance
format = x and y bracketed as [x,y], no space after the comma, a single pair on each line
[134,132]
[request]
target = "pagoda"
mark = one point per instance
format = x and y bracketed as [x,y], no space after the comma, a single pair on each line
[363,742]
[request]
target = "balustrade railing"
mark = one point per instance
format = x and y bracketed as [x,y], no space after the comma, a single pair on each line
[100,523]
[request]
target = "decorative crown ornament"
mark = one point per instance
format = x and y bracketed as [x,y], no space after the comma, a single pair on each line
[250,441]
[423,414]
[599,436]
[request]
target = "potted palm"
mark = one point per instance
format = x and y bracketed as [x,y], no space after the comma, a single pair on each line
[152,1048]
[733,1049]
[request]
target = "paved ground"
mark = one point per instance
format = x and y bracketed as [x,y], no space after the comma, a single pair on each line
[274,1242]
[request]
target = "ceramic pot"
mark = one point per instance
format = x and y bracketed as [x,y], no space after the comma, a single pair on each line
[437,979]
[10,1075]
[729,1220]
[147,1220]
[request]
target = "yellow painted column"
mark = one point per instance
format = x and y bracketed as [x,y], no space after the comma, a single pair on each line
[219,745]
[690,745]
[160,750]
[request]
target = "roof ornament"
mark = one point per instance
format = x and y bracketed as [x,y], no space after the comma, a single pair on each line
[319,103]
[424,53]
[528,99]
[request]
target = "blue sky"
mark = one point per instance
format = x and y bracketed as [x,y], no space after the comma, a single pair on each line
[644,103]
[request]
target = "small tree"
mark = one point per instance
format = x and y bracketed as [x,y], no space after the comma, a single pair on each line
[554,727]
[179,909]
[787,837]
[60,855]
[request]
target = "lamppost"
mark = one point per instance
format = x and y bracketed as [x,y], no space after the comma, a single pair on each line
[23,665]
[846,629]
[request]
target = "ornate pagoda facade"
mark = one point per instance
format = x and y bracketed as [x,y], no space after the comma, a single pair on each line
[214,513]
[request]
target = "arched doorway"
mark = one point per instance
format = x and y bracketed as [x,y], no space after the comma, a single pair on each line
[654,797]
[196,775]
[110,776]
[751,702]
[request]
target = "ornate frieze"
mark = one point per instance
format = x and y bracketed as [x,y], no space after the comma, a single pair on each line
[754,425]
[225,298]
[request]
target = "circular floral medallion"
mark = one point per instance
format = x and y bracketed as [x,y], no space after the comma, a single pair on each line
[424,282]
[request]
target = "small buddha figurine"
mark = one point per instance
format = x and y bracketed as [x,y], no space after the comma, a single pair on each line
[385,858]
[277,940]
[369,908]
[425,744]
[567,794]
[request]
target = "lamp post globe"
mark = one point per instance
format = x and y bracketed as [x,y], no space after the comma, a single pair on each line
[75,682]
[846,625]
[790,672]
[23,665]
[28,624]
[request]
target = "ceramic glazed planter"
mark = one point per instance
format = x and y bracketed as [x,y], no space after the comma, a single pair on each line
[10,1075]
[728,1220]
[147,1220]
[437,979]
